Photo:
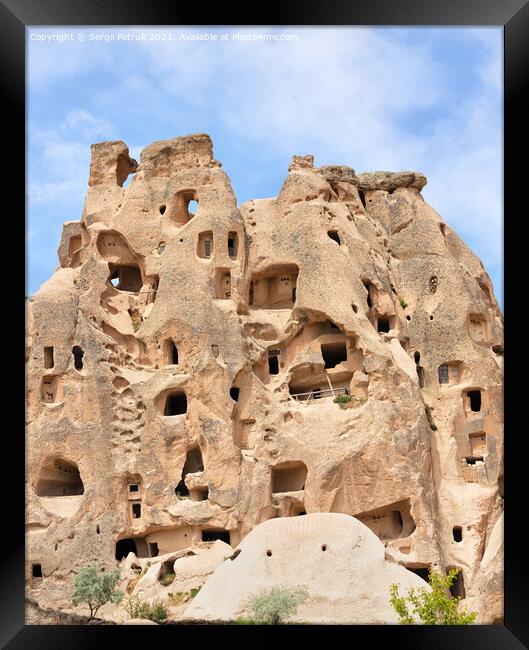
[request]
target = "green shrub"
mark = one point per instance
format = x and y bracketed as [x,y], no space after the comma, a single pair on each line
[435,607]
[193,592]
[272,607]
[403,303]
[155,611]
[95,588]
[341,399]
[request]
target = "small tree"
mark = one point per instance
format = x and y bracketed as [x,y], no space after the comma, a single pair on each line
[435,607]
[272,607]
[96,588]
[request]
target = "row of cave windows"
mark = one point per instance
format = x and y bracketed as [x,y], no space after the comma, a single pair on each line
[128,545]
[333,354]
[206,245]
[60,478]
[286,477]
[472,398]
[128,278]
[77,352]
[176,404]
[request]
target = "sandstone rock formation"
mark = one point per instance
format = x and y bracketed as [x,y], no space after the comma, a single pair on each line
[183,361]
[336,558]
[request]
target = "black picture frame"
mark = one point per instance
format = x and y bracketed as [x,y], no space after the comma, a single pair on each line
[513,15]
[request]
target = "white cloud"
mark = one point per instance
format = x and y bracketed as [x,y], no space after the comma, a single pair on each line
[349,96]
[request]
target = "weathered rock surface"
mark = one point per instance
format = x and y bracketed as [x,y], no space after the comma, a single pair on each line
[336,558]
[182,364]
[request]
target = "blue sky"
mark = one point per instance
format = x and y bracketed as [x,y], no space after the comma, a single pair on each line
[424,99]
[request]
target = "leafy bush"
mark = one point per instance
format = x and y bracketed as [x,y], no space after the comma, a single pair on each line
[435,607]
[403,303]
[193,592]
[341,399]
[96,588]
[272,607]
[155,611]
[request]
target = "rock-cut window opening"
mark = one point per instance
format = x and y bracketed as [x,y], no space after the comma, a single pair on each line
[193,464]
[78,355]
[474,400]
[289,477]
[136,510]
[205,244]
[233,245]
[458,586]
[457,533]
[334,353]
[421,571]
[383,325]
[175,403]
[171,353]
[136,545]
[58,478]
[442,373]
[125,277]
[153,549]
[212,534]
[124,547]
[274,288]
[273,362]
[36,571]
[48,357]
[184,207]
[51,390]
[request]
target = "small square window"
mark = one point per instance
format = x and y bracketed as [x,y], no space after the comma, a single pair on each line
[443,373]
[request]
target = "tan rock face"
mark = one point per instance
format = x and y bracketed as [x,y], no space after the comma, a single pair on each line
[183,361]
[338,560]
